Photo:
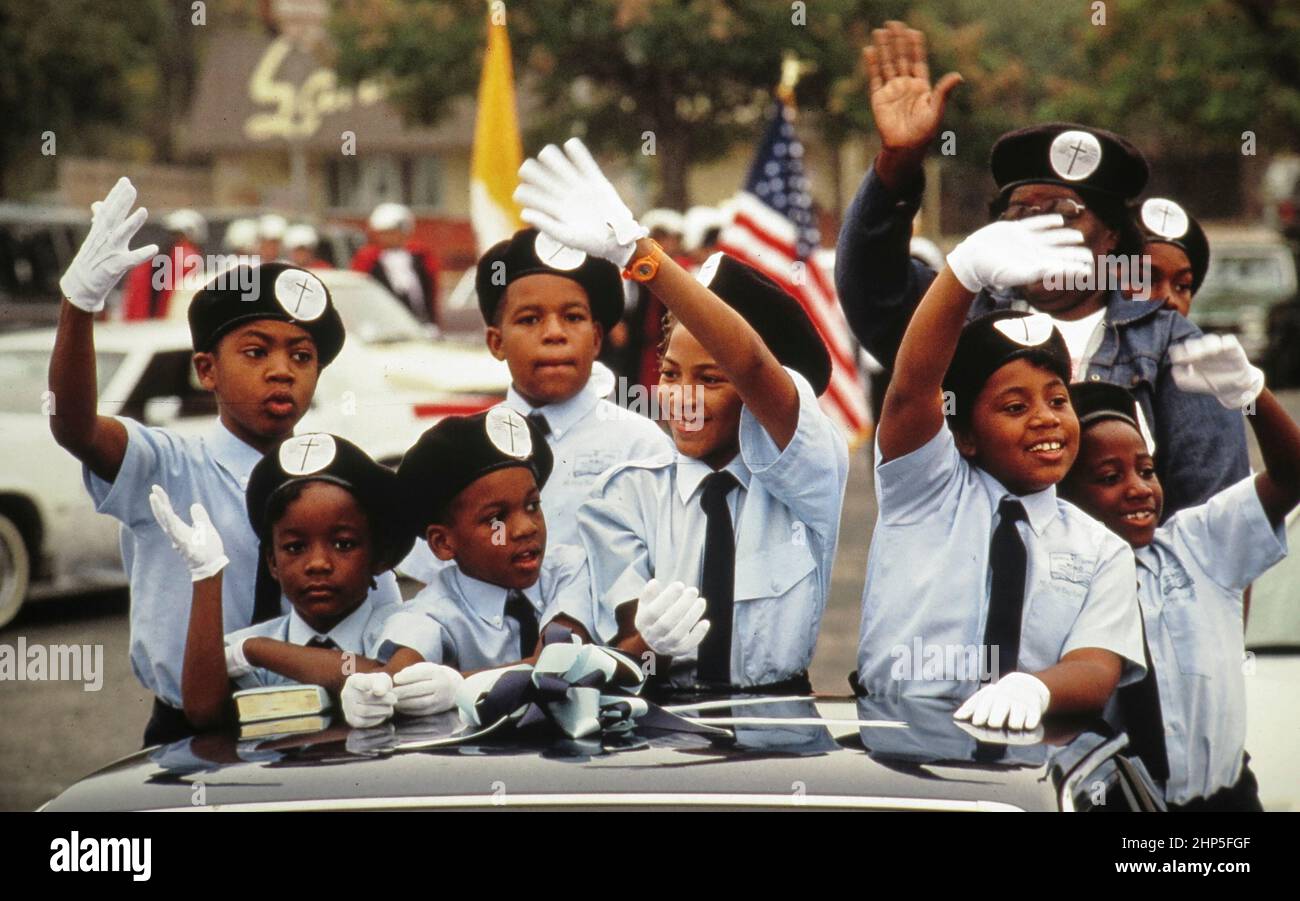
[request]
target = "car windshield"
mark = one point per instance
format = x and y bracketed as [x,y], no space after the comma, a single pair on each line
[368,311]
[1247,274]
[1274,614]
[24,378]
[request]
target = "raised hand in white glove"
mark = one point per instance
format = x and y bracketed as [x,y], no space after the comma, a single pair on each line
[424,688]
[669,618]
[368,699]
[564,194]
[199,544]
[1017,700]
[1009,254]
[105,256]
[1216,365]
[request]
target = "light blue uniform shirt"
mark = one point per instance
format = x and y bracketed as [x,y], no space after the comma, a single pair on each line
[472,629]
[929,580]
[645,521]
[211,469]
[588,436]
[373,630]
[1190,583]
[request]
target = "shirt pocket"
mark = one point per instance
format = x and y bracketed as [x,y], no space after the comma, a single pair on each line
[1193,644]
[1053,608]
[773,572]
[777,602]
[589,464]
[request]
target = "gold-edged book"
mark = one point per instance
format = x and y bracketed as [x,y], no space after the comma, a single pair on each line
[294,725]
[276,702]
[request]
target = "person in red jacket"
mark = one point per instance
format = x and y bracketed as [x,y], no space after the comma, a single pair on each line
[149,285]
[404,266]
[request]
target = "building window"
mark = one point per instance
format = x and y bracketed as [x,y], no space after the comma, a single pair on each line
[361,184]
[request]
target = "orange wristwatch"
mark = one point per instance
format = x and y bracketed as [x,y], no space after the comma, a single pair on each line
[644,268]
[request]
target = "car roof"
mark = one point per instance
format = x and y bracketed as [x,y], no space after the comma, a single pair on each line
[825,757]
[121,337]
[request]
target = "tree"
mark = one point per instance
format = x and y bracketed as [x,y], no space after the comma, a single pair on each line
[684,78]
[88,72]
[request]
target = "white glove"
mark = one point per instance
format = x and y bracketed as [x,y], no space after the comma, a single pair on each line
[565,195]
[236,663]
[669,619]
[424,688]
[199,544]
[1006,255]
[1217,365]
[1017,699]
[368,699]
[104,256]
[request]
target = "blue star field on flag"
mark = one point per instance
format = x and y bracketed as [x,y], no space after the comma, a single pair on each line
[777,178]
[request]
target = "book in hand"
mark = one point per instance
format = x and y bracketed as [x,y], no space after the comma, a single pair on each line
[294,725]
[274,702]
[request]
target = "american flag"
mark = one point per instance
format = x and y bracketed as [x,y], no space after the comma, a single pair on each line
[773,230]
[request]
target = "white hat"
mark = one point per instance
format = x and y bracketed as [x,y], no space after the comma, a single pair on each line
[300,235]
[391,215]
[271,227]
[189,223]
[670,221]
[241,236]
[698,221]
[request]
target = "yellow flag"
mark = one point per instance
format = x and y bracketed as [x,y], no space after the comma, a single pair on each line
[498,150]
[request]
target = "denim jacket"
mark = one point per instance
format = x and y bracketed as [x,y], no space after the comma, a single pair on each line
[1201,447]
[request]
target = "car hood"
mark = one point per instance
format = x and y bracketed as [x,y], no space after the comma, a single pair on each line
[765,752]
[424,367]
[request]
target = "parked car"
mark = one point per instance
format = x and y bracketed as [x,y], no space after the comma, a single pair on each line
[763,753]
[1251,271]
[390,382]
[51,540]
[36,245]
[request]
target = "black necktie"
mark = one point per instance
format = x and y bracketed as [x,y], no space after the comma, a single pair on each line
[538,419]
[1007,598]
[1139,708]
[718,583]
[519,608]
[323,642]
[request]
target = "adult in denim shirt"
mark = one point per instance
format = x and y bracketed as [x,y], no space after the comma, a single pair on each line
[879,284]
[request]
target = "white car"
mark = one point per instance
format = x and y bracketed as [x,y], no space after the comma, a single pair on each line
[391,381]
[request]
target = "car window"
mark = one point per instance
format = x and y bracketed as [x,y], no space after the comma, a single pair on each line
[370,313]
[1248,273]
[24,379]
[32,261]
[1274,621]
[171,374]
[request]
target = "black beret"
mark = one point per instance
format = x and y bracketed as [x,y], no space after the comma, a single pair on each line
[1095,401]
[529,252]
[275,291]
[459,450]
[779,319]
[992,341]
[1166,222]
[318,456]
[1076,156]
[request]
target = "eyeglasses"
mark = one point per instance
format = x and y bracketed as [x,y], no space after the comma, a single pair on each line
[1067,208]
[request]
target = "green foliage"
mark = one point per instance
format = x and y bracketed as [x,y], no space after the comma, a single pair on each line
[87,70]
